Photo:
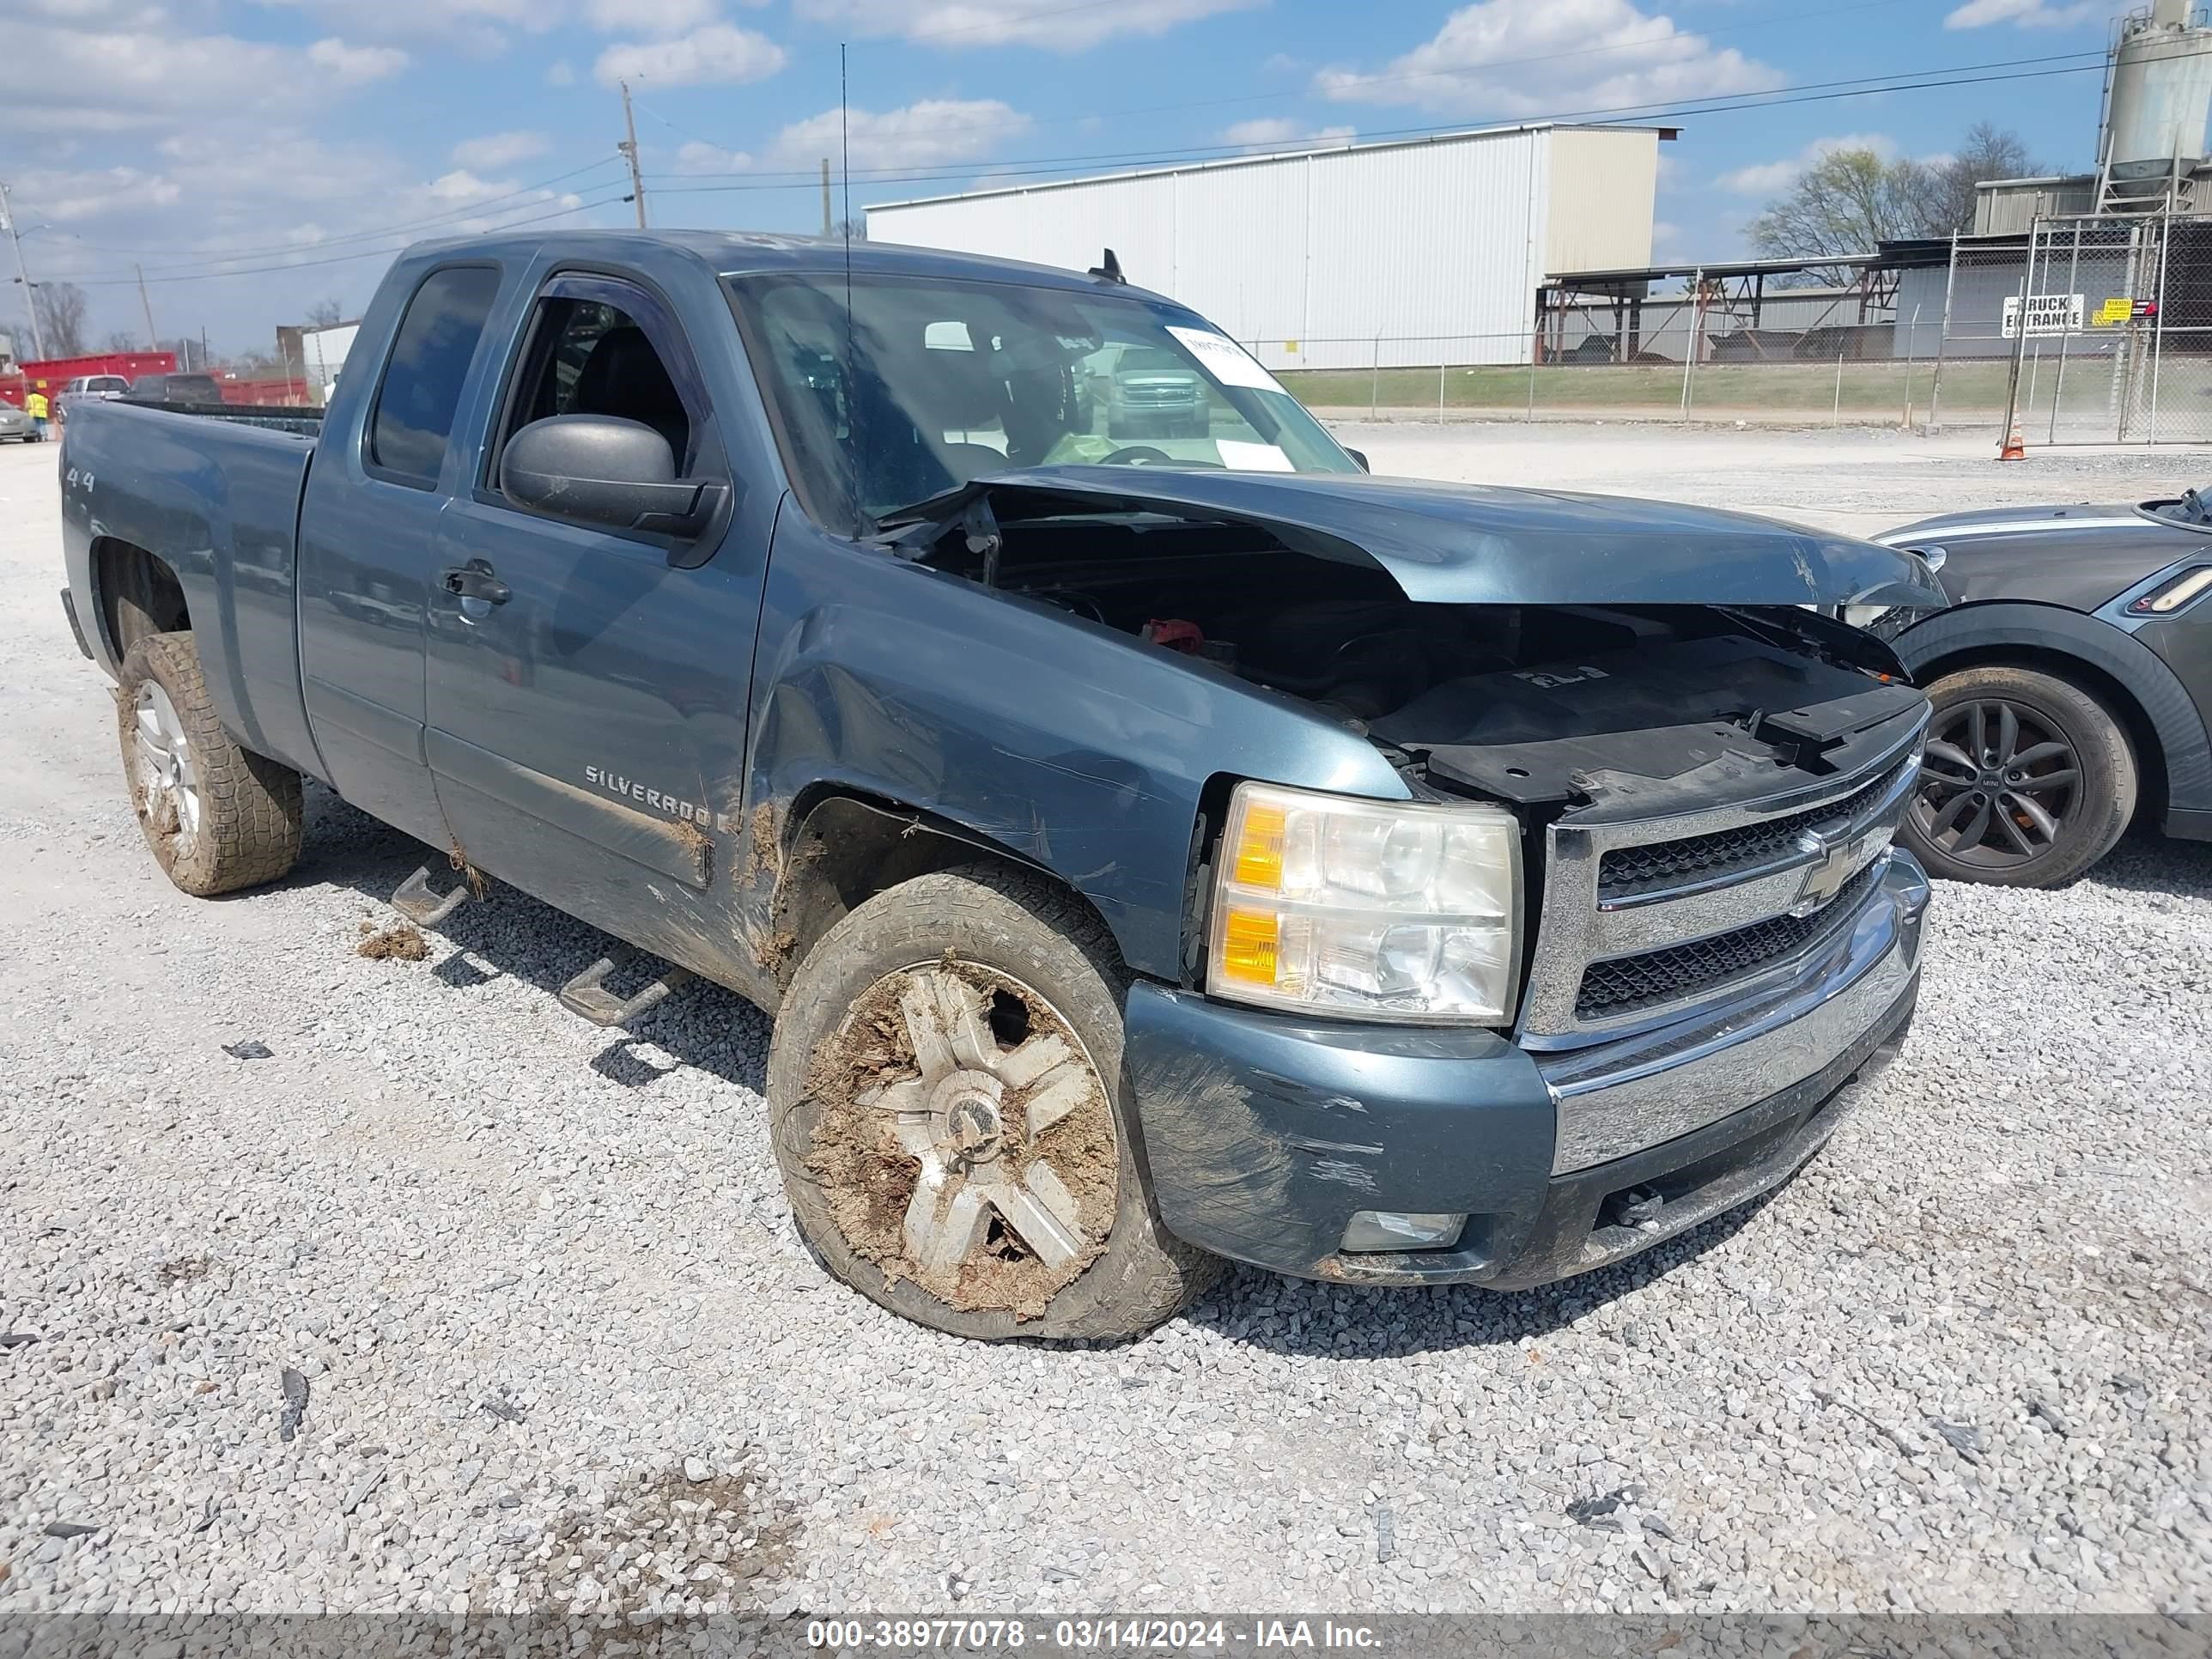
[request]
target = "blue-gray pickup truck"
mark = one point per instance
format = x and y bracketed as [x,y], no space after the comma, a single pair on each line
[1153,849]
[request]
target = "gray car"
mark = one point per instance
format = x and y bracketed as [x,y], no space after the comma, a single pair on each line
[16,427]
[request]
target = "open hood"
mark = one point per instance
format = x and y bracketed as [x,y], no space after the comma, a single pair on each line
[1474,545]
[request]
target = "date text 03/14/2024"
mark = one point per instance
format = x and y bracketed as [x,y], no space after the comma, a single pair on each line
[1196,1635]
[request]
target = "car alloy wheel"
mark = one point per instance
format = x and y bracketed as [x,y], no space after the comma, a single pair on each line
[1996,784]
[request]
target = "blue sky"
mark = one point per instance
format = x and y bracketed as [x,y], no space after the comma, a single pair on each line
[210,140]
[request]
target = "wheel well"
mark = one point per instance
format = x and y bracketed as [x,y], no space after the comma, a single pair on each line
[2142,735]
[837,851]
[138,593]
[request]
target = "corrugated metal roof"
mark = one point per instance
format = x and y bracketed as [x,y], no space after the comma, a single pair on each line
[1263,157]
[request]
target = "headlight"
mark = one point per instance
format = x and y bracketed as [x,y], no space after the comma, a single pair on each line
[1865,616]
[1366,910]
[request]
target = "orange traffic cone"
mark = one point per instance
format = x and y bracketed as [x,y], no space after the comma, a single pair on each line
[2014,449]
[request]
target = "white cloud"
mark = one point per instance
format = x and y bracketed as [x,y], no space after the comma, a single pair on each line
[957,25]
[82,81]
[718,53]
[1266,129]
[698,157]
[500,150]
[478,26]
[1537,58]
[355,64]
[1274,132]
[1767,177]
[656,17]
[929,133]
[2026,14]
[561,74]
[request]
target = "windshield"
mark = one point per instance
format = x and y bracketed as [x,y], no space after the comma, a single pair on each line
[939,381]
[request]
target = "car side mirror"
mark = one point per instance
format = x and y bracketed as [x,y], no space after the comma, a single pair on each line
[1360,456]
[602,470]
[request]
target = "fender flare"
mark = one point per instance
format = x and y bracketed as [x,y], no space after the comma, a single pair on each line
[2051,630]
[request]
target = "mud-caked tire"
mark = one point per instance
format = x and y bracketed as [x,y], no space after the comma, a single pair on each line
[875,1095]
[216,816]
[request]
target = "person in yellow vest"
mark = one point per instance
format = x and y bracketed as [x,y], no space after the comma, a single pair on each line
[39,410]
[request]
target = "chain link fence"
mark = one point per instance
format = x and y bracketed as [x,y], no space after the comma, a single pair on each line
[2110,331]
[2090,331]
[1839,374]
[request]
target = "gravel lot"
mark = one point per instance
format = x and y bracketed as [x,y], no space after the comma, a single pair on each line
[560,1343]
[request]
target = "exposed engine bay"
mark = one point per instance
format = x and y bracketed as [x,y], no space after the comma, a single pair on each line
[1523,703]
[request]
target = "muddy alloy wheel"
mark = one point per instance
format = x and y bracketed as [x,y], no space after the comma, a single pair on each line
[165,786]
[945,1097]
[216,818]
[2027,779]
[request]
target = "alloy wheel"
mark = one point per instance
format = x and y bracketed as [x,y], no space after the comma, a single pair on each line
[1996,784]
[168,795]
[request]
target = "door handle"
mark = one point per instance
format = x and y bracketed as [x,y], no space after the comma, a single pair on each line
[474,581]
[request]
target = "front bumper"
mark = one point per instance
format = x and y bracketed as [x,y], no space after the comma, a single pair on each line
[1264,1135]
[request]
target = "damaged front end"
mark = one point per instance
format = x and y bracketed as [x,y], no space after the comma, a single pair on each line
[1714,938]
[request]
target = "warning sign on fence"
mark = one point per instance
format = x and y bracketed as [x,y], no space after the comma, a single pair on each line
[2114,311]
[2047,313]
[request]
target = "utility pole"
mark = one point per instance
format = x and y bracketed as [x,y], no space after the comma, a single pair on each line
[153,340]
[628,148]
[826,196]
[23,274]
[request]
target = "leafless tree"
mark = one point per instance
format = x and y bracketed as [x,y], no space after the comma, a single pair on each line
[61,318]
[325,314]
[122,339]
[1988,153]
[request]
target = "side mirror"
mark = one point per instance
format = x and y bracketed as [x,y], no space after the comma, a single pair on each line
[598,469]
[1360,456]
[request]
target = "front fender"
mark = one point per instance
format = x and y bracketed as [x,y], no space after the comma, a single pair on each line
[1079,749]
[2050,630]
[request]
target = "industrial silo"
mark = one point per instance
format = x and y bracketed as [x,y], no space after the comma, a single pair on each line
[2157,107]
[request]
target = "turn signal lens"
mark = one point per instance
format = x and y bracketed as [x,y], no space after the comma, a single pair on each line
[2175,594]
[1249,943]
[1260,848]
[1367,909]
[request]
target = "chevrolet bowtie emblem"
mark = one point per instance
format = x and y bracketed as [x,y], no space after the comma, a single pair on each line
[1833,864]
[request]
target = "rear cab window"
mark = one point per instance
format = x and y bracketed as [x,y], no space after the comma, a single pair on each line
[411,421]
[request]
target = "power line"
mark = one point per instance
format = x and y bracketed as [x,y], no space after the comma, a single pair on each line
[1367,80]
[1813,91]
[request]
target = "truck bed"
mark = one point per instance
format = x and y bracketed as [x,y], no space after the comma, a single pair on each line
[300,419]
[214,490]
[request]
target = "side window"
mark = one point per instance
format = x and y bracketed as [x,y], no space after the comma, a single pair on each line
[592,358]
[422,385]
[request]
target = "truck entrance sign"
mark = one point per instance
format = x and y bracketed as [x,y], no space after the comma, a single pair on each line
[2047,313]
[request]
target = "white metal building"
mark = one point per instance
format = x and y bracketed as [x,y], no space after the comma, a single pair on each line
[1400,253]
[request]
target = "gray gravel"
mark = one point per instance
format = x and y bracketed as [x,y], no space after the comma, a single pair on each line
[555,1342]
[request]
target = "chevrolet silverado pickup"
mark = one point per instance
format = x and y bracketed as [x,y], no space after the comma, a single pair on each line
[1154,850]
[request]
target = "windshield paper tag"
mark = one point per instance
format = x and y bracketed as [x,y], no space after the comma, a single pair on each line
[1226,360]
[1252,457]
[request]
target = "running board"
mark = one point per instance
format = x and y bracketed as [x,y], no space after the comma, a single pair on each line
[414,900]
[586,994]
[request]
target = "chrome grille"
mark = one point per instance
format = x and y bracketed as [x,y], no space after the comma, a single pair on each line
[1631,869]
[1626,984]
[1648,922]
